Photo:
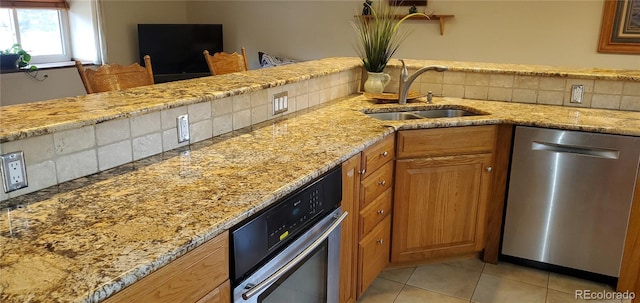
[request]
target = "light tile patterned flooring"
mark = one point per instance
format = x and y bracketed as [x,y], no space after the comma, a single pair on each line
[471,280]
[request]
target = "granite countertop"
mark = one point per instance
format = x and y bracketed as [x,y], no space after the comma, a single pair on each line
[86,239]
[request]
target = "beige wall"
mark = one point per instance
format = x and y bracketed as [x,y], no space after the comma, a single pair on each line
[507,31]
[121,20]
[560,33]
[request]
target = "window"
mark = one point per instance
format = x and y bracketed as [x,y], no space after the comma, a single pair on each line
[41,27]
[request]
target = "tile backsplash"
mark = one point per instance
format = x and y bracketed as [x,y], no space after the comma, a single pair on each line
[67,155]
[605,94]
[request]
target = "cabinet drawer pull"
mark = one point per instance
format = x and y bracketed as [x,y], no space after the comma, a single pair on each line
[380,241]
[382,183]
[488,169]
[384,154]
[363,171]
[380,211]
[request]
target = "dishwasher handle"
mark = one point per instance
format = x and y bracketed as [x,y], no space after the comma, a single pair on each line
[576,150]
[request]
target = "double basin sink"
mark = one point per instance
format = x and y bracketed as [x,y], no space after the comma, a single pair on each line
[426,113]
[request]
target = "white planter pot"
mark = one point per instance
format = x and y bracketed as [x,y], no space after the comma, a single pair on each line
[376,82]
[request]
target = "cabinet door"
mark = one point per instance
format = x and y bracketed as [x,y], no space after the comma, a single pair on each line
[349,229]
[373,254]
[222,294]
[439,207]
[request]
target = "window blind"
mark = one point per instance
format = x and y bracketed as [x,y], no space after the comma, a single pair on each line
[34,4]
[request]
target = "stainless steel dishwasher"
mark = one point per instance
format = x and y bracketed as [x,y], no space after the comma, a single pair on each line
[569,198]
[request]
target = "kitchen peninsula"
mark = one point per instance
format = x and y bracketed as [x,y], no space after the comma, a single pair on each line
[88,238]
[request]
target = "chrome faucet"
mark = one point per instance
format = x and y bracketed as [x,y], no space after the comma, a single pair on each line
[406,81]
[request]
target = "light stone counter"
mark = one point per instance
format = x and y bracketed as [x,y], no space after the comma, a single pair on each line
[86,239]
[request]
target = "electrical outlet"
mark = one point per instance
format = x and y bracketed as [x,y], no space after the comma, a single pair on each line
[14,171]
[577,92]
[280,102]
[183,128]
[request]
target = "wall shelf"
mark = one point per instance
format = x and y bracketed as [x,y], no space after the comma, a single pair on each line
[440,18]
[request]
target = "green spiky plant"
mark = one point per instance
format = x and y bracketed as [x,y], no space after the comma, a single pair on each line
[379,35]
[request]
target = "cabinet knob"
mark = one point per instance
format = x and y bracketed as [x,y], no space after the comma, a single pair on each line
[382,183]
[384,154]
[488,169]
[380,241]
[380,211]
[363,171]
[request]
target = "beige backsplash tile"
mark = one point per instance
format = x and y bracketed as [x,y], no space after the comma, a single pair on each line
[550,97]
[500,93]
[630,103]
[547,83]
[115,154]
[224,106]
[73,140]
[498,80]
[529,82]
[146,124]
[168,117]
[608,87]
[454,78]
[524,95]
[199,111]
[606,101]
[72,166]
[147,145]
[112,131]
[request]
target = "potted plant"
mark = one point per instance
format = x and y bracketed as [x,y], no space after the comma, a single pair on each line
[14,58]
[378,39]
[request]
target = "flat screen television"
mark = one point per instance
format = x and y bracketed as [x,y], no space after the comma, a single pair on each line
[176,49]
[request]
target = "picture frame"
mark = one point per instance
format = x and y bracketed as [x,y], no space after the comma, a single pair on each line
[620,31]
[408,2]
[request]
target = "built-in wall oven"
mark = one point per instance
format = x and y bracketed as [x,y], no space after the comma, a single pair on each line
[291,251]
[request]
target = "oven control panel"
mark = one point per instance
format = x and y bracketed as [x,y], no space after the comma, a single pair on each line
[268,231]
[294,215]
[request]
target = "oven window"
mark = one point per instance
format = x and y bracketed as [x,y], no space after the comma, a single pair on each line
[305,283]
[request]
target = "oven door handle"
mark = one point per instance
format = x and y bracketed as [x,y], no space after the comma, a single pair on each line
[275,276]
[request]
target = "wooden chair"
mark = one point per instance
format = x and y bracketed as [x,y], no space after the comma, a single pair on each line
[223,63]
[114,77]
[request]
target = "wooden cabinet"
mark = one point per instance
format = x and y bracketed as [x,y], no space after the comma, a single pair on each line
[443,180]
[201,276]
[373,251]
[374,220]
[367,193]
[349,229]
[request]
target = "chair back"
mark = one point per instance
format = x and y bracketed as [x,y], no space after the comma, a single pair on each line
[224,63]
[115,77]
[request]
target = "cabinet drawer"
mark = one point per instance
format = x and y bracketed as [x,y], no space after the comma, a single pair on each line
[373,253]
[375,184]
[375,212]
[187,279]
[377,155]
[446,141]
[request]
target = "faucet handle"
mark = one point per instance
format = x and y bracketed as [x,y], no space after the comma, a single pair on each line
[404,73]
[429,96]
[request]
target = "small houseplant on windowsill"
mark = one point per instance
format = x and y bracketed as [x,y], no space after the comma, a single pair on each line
[15,58]
[378,39]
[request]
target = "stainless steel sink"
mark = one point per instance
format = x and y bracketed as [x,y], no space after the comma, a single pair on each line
[422,114]
[444,113]
[395,116]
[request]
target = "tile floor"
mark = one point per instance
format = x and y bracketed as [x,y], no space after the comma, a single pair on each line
[471,280]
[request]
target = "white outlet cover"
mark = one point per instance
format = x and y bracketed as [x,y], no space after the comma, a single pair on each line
[183,128]
[14,171]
